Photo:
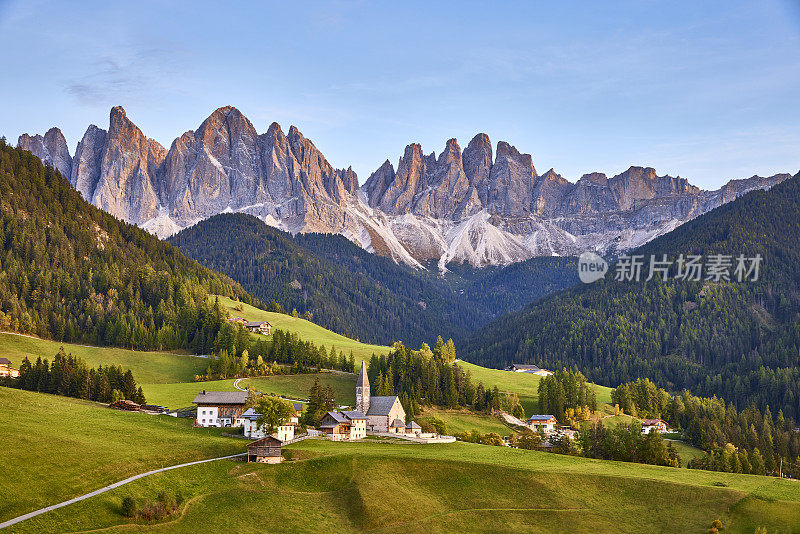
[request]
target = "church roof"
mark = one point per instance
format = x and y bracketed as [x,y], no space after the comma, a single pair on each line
[362,380]
[381,405]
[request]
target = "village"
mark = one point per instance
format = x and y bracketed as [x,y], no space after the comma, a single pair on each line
[378,416]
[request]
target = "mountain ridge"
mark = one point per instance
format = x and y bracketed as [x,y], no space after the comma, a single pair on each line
[479,205]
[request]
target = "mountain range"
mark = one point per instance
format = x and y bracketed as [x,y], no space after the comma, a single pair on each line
[479,205]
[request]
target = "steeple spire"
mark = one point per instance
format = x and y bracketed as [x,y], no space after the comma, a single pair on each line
[362,390]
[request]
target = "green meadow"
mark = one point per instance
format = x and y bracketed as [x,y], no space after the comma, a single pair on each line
[379,486]
[55,448]
[462,421]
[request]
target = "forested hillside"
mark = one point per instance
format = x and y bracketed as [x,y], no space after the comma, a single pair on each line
[71,272]
[358,294]
[737,340]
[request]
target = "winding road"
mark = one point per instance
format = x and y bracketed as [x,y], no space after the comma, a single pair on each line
[109,487]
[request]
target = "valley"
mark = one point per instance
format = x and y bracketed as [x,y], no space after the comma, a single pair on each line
[229,329]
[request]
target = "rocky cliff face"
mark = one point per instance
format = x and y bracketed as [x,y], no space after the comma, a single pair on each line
[52,149]
[479,205]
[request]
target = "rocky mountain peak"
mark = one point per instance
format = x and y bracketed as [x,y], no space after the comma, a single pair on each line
[52,148]
[595,178]
[478,205]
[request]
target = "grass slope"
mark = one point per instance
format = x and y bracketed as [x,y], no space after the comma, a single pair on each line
[391,487]
[463,420]
[525,385]
[147,367]
[55,448]
[298,386]
[305,330]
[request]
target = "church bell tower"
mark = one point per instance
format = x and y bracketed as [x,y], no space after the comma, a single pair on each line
[362,390]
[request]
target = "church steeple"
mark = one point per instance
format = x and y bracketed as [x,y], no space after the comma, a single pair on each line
[362,390]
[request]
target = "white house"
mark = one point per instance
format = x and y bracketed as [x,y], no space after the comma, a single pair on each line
[546,423]
[219,408]
[654,425]
[251,429]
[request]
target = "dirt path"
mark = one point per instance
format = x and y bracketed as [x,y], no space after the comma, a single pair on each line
[108,488]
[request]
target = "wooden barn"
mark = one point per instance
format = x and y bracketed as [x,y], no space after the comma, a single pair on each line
[266,450]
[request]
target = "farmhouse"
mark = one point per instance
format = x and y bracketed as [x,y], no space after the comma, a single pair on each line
[248,422]
[653,425]
[298,411]
[525,368]
[342,426]
[546,423]
[219,408]
[259,327]
[6,370]
[266,450]
[381,411]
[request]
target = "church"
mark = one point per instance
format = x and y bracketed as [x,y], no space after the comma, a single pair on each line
[384,414]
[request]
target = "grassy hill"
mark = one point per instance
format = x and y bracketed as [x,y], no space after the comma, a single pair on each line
[149,367]
[351,487]
[55,448]
[305,329]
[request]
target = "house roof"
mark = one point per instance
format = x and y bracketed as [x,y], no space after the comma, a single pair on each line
[337,417]
[5,361]
[252,324]
[397,423]
[541,417]
[249,414]
[353,414]
[525,366]
[652,422]
[381,405]
[220,397]
[298,406]
[413,425]
[266,440]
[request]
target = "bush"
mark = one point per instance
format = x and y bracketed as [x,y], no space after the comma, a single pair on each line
[129,508]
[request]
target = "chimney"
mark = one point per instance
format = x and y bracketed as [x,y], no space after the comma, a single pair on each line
[204,392]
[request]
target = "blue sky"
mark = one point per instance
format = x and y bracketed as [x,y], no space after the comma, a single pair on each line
[705,90]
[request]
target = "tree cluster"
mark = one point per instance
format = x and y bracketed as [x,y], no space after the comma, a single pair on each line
[756,438]
[566,395]
[424,377]
[626,443]
[236,355]
[321,399]
[70,376]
